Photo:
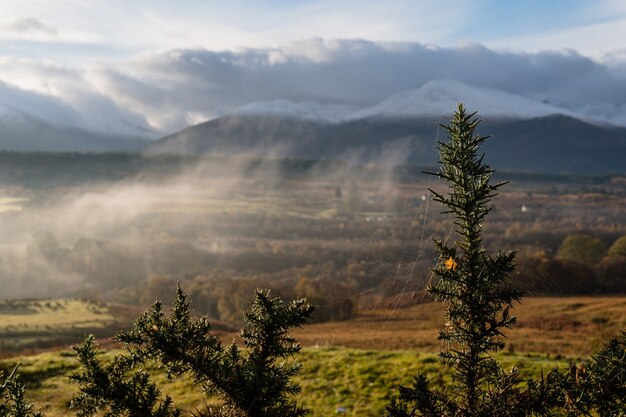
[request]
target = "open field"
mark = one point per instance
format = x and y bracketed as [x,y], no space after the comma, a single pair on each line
[331,377]
[36,324]
[550,325]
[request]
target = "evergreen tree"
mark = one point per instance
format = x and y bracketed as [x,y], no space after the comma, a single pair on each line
[116,388]
[474,285]
[254,383]
[475,288]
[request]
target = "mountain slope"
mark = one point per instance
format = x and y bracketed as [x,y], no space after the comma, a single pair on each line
[20,131]
[440,97]
[551,144]
[433,99]
[308,110]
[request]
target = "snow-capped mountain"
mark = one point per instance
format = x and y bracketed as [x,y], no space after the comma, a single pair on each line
[435,99]
[440,97]
[529,135]
[307,110]
[22,131]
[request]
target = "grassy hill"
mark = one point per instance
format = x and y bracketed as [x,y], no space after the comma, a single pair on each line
[36,324]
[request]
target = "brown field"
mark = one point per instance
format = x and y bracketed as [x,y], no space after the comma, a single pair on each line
[568,326]
[552,325]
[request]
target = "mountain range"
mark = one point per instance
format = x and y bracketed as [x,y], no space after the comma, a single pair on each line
[528,135]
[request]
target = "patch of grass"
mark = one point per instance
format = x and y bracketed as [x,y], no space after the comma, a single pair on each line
[37,314]
[545,324]
[50,322]
[359,380]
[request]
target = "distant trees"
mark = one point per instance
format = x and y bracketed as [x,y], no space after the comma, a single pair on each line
[582,248]
[334,300]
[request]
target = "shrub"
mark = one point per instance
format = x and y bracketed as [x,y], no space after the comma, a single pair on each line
[13,401]
[254,383]
[475,287]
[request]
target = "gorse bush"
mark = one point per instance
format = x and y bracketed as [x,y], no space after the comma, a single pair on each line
[256,382]
[13,402]
[475,287]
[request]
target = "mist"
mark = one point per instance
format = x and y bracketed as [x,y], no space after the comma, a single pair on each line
[126,228]
[97,238]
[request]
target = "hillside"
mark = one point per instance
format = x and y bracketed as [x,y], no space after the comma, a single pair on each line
[26,132]
[550,144]
[554,325]
[45,323]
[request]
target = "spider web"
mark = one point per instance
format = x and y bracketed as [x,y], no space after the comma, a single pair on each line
[403,253]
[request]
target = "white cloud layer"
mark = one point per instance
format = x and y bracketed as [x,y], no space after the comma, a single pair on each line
[134,67]
[167,91]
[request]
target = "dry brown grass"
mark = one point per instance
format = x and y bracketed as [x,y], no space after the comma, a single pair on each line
[565,326]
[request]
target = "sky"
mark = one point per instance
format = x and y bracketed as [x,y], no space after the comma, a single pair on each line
[160,65]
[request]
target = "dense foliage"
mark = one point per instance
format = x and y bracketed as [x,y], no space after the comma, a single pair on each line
[256,382]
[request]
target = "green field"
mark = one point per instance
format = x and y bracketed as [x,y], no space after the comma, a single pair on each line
[35,324]
[331,377]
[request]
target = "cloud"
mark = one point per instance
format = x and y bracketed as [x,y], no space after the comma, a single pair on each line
[65,96]
[168,90]
[29,26]
[348,71]
[596,39]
